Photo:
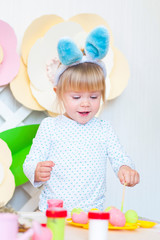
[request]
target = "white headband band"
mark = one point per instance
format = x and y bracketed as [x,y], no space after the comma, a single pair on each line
[84,59]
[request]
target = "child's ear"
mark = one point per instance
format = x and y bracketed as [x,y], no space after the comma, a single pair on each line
[55,89]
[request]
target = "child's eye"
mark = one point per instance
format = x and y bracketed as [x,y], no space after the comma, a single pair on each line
[76,97]
[94,97]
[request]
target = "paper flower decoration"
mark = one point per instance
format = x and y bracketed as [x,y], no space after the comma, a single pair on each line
[40,59]
[7,183]
[9,59]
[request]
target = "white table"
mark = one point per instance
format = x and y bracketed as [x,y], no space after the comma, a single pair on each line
[75,233]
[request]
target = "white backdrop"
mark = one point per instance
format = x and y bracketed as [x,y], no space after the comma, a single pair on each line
[135,114]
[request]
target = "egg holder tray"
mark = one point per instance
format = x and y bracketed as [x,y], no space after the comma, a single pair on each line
[127,226]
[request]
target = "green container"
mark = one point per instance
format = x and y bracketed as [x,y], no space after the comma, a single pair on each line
[56,222]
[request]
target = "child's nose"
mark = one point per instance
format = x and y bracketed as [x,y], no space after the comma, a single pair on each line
[85,103]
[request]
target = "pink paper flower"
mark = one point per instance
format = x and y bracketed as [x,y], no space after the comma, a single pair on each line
[9,59]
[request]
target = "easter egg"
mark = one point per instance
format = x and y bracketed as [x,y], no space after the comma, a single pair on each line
[131,216]
[76,210]
[117,218]
[81,218]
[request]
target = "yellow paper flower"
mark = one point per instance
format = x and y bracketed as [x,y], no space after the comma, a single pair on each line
[7,183]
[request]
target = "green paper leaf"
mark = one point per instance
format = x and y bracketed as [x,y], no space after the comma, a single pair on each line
[19,141]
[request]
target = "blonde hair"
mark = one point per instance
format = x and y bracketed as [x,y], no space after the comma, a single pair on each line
[81,77]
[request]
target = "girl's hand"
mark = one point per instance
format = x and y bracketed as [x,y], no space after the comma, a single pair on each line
[128,176]
[43,171]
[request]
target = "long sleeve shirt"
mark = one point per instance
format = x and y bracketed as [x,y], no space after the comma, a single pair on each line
[80,154]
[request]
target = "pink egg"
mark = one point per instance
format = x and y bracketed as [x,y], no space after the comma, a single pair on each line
[81,218]
[117,218]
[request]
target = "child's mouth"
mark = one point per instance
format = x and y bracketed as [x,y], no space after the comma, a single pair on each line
[84,113]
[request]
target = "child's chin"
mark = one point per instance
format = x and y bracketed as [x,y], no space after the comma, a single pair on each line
[83,120]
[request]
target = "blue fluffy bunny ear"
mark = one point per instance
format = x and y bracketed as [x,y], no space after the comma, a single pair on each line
[97,43]
[68,51]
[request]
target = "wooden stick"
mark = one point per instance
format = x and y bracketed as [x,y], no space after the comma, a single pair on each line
[123,195]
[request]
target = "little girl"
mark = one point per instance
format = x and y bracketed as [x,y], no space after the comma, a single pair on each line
[69,153]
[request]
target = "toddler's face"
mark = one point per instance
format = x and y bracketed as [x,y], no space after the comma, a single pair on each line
[81,106]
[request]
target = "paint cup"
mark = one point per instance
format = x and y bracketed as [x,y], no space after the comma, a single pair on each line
[56,222]
[98,225]
[8,226]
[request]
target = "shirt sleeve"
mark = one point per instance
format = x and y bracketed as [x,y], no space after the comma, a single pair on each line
[116,154]
[39,151]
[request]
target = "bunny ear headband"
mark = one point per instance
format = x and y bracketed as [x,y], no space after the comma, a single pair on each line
[96,48]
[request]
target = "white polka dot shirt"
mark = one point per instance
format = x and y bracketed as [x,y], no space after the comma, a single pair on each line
[80,155]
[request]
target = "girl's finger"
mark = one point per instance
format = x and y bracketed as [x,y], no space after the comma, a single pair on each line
[45,169]
[44,174]
[132,178]
[127,178]
[44,179]
[47,164]
[137,178]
